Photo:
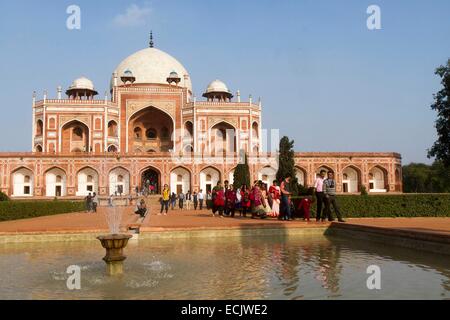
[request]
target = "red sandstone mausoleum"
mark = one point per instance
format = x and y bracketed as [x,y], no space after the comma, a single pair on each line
[152,128]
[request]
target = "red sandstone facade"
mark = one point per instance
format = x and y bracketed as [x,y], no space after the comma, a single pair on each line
[153,128]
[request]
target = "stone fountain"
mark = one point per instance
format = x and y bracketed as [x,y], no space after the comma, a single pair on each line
[114,243]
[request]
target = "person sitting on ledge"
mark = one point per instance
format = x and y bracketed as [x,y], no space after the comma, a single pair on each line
[141,208]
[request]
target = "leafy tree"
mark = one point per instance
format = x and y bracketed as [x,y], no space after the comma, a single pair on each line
[440,177]
[441,148]
[242,173]
[416,178]
[422,178]
[286,163]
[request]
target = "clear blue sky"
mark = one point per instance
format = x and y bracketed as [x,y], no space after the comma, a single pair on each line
[326,81]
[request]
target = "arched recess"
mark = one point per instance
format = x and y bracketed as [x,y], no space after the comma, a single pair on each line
[267,175]
[87,181]
[180,180]
[55,182]
[151,176]
[137,133]
[351,179]
[223,139]
[23,182]
[301,175]
[119,181]
[255,130]
[188,149]
[38,148]
[209,177]
[113,129]
[150,128]
[113,148]
[324,167]
[74,137]
[378,179]
[188,138]
[39,128]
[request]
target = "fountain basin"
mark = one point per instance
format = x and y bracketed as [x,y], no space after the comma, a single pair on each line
[114,245]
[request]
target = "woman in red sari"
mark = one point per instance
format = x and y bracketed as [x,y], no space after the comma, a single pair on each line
[230,196]
[245,200]
[218,199]
[275,193]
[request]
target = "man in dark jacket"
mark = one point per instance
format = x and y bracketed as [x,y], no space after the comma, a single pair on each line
[329,190]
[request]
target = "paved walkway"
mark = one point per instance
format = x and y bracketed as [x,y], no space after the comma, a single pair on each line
[194,220]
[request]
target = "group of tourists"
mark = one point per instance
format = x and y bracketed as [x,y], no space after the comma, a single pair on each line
[258,201]
[91,202]
[186,201]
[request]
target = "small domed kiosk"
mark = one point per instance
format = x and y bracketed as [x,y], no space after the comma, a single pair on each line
[81,89]
[218,91]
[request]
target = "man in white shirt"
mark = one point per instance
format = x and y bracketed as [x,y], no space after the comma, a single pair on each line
[318,186]
[188,199]
[200,199]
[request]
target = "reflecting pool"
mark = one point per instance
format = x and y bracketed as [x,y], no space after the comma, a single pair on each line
[266,267]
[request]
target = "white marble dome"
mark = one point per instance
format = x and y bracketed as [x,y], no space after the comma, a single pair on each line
[82,83]
[152,65]
[217,86]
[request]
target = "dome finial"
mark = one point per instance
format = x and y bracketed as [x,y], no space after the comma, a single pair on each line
[152,44]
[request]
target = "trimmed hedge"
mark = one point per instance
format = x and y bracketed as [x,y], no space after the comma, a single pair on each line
[15,210]
[403,205]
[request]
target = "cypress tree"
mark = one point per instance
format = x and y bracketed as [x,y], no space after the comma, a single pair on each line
[242,173]
[286,163]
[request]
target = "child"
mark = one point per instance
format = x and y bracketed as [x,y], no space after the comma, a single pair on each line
[305,205]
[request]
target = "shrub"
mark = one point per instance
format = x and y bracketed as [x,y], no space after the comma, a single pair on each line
[403,205]
[15,210]
[3,197]
[364,191]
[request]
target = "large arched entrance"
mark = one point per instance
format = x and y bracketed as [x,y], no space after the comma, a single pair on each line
[151,181]
[223,139]
[150,130]
[75,137]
